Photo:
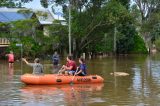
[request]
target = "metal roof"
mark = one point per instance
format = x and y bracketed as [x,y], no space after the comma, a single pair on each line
[44,20]
[13,16]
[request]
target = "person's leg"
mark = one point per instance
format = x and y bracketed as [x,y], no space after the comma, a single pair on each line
[9,65]
[71,72]
[62,70]
[80,74]
[66,72]
[12,64]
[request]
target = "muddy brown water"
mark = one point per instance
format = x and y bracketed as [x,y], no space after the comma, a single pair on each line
[140,88]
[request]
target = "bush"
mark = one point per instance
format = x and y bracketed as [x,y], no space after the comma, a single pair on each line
[139,45]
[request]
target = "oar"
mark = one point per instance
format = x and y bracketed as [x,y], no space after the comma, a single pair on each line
[58,73]
[74,77]
[60,70]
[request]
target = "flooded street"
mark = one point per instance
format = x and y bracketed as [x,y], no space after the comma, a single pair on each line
[140,88]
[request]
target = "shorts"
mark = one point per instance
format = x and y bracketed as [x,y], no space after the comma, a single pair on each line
[55,63]
[71,72]
[82,74]
[11,61]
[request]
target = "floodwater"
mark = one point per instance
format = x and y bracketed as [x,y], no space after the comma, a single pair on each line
[140,88]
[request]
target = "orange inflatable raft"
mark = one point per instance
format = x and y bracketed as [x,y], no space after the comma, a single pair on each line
[51,79]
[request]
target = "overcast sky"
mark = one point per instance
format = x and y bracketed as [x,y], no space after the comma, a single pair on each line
[34,4]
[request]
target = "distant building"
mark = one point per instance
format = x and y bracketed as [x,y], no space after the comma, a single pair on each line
[11,14]
[44,17]
[7,15]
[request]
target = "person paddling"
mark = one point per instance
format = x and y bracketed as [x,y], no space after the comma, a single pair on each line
[70,67]
[37,67]
[82,68]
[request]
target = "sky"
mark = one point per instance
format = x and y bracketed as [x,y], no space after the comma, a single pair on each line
[35,4]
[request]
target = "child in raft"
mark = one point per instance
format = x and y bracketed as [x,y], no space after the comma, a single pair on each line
[37,67]
[81,70]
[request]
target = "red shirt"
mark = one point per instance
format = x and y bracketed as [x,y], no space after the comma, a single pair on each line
[72,63]
[10,57]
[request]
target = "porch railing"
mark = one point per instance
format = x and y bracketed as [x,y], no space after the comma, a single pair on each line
[4,42]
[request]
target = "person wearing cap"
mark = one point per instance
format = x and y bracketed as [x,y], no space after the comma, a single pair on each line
[37,67]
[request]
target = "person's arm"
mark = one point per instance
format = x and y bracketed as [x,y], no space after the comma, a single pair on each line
[68,68]
[80,68]
[25,60]
[78,72]
[52,57]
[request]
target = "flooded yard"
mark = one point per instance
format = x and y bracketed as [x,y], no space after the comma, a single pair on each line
[140,88]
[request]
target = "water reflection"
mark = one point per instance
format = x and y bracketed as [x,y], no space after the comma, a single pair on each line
[10,73]
[3,70]
[60,94]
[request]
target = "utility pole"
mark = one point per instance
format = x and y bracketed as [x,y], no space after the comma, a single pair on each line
[115,39]
[105,39]
[69,28]
[21,45]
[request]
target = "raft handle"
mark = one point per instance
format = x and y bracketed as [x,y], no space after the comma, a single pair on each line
[59,80]
[94,77]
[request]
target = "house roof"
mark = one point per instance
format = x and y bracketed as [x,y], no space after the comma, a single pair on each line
[12,14]
[8,15]
[44,20]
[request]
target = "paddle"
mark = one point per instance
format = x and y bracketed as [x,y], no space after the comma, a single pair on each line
[60,70]
[74,77]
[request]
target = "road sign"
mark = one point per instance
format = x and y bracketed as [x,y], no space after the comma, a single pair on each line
[18,44]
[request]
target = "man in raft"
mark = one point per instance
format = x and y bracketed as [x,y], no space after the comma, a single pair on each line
[69,68]
[37,67]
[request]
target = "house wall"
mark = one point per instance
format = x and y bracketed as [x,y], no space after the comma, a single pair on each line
[45,30]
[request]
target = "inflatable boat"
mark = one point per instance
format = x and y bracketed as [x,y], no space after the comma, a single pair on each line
[51,79]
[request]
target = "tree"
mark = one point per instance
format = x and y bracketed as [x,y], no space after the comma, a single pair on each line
[13,3]
[149,10]
[125,3]
[101,16]
[57,33]
[146,7]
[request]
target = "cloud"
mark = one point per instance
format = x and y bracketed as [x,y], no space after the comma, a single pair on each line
[35,4]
